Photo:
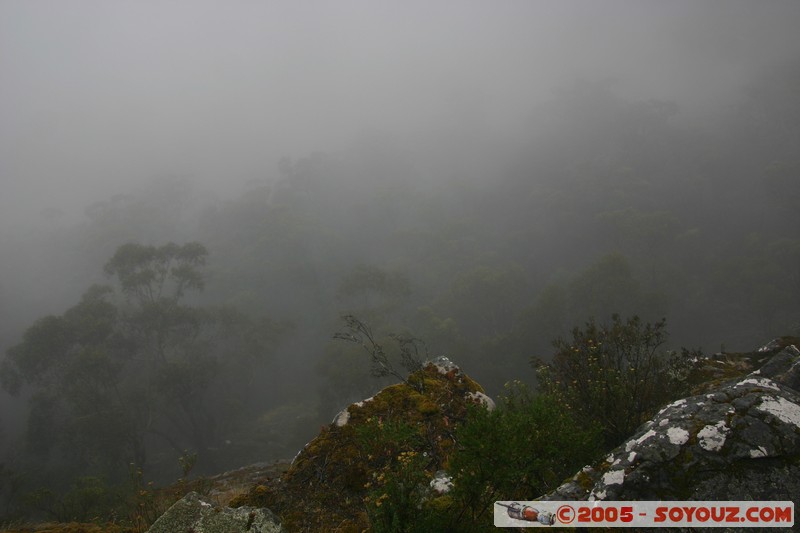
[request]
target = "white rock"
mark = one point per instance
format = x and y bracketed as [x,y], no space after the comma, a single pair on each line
[599,495]
[614,477]
[678,436]
[676,403]
[759,382]
[631,443]
[342,418]
[781,408]
[444,365]
[759,452]
[482,398]
[712,438]
[362,402]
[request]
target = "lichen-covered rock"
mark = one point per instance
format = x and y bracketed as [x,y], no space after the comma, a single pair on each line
[191,513]
[330,478]
[737,441]
[707,374]
[222,488]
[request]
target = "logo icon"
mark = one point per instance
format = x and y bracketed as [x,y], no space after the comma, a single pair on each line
[565,514]
[517,511]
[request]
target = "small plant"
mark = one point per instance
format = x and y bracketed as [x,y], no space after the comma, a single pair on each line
[398,493]
[395,501]
[144,506]
[187,461]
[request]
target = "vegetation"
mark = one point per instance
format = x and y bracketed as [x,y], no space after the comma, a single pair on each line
[412,352]
[528,445]
[614,376]
[375,466]
[335,477]
[117,383]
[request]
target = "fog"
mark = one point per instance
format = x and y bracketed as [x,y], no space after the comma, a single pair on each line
[97,96]
[481,175]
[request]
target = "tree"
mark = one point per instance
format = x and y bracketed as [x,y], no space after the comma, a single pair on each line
[73,362]
[151,273]
[116,379]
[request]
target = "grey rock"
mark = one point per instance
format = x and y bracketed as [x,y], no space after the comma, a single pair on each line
[784,368]
[740,441]
[193,514]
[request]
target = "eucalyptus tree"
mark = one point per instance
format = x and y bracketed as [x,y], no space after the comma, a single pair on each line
[133,369]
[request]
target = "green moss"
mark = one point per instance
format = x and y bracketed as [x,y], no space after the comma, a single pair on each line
[584,481]
[440,504]
[258,496]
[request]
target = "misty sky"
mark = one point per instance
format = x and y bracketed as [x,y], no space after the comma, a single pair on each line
[98,95]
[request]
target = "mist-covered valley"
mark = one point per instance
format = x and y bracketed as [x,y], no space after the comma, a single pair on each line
[482,177]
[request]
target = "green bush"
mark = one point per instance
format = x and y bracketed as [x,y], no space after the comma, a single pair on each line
[614,375]
[525,447]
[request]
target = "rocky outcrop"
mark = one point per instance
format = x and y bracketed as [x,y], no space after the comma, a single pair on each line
[191,513]
[330,480]
[738,440]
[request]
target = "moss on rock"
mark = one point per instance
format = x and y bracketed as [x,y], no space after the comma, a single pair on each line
[329,481]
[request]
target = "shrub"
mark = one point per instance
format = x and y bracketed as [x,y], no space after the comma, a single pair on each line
[613,375]
[524,448]
[527,446]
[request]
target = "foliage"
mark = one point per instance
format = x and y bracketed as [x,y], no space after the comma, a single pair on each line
[524,448]
[520,450]
[412,351]
[148,272]
[401,500]
[392,446]
[613,375]
[395,491]
[116,382]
